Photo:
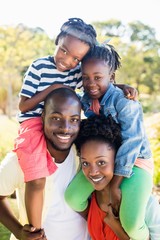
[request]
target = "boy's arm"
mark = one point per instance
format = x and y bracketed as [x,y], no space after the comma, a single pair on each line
[129,92]
[26,104]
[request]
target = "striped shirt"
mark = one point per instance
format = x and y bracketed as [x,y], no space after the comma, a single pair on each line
[41,74]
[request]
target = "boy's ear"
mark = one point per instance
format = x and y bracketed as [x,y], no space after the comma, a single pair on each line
[112,79]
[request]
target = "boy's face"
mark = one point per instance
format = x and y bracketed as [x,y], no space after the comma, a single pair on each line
[69,52]
[61,122]
[96,77]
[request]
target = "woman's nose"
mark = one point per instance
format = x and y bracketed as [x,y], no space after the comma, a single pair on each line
[93,171]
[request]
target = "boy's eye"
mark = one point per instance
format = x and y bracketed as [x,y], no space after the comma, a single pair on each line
[76,60]
[64,51]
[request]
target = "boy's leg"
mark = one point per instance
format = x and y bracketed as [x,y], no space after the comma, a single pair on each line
[135,194]
[78,192]
[34,201]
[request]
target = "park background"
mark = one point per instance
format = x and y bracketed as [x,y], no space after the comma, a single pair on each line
[27,32]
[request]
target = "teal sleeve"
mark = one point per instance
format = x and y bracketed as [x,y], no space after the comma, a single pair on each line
[78,192]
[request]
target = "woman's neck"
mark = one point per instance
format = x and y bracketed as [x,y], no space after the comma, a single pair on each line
[103,198]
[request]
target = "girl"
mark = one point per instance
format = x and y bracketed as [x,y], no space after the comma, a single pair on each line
[133,163]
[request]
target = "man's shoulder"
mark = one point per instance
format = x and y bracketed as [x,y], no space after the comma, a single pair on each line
[10,163]
[11,175]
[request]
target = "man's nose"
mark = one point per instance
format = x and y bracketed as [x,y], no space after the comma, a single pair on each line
[65,126]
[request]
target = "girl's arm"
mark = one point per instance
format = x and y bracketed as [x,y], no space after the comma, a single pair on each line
[26,104]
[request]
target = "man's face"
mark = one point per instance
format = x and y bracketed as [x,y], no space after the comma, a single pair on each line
[61,122]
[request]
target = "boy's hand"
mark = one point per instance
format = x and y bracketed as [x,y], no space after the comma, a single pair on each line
[130,92]
[29,233]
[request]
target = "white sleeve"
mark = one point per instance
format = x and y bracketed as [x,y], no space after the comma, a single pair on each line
[152,218]
[11,175]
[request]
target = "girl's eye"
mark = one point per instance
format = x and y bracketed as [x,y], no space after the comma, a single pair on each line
[97,78]
[101,163]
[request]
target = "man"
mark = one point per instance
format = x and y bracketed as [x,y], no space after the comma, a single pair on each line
[61,121]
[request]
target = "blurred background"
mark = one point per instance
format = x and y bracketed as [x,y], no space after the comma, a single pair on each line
[28,30]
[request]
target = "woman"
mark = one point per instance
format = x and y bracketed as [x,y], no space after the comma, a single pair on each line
[97,143]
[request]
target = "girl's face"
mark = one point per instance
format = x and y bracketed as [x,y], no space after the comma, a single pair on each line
[96,77]
[69,52]
[97,159]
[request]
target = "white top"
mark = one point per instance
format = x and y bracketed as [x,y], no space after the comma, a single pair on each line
[59,220]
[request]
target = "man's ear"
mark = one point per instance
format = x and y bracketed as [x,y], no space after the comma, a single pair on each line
[112,79]
[42,117]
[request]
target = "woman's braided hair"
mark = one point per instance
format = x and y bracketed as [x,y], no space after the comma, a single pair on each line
[106,53]
[99,127]
[76,27]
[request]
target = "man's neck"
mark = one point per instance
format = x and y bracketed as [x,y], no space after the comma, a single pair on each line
[59,156]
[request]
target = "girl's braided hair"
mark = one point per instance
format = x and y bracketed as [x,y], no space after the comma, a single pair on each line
[99,127]
[76,27]
[106,53]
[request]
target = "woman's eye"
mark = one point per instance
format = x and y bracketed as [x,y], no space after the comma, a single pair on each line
[85,164]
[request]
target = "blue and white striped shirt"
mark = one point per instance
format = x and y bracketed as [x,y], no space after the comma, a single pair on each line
[41,74]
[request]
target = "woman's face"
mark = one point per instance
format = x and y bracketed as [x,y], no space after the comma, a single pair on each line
[97,159]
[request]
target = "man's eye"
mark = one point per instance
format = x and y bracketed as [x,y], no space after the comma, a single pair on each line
[55,118]
[75,120]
